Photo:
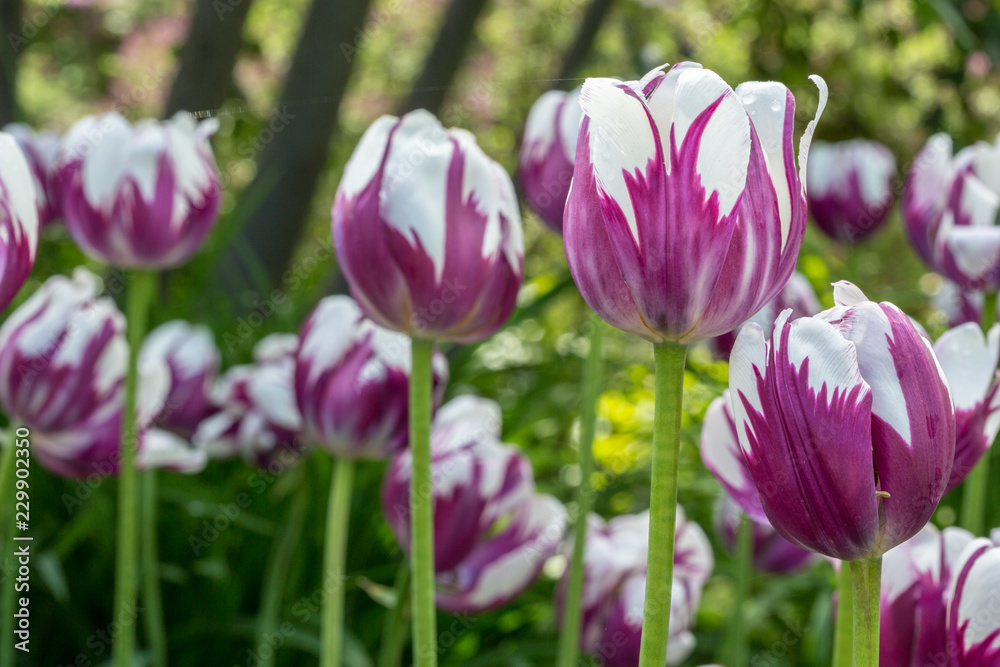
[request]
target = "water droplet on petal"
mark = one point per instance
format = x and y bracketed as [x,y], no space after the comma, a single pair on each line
[776,106]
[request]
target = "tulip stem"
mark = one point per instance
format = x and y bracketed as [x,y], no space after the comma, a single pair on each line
[156,633]
[843,638]
[569,641]
[394,629]
[669,361]
[866,578]
[422,508]
[338,516]
[276,575]
[7,655]
[138,297]
[744,572]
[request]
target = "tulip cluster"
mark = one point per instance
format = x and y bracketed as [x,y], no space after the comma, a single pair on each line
[493,532]
[939,600]
[614,587]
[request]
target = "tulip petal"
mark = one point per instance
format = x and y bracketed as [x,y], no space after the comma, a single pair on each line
[969,361]
[973,618]
[721,453]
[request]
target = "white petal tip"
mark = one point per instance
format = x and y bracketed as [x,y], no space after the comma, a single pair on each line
[847,294]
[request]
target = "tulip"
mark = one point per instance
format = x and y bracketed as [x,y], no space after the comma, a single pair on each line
[973,621]
[685,217]
[919,574]
[427,231]
[847,425]
[969,360]
[18,220]
[428,234]
[959,306]
[950,205]
[493,532]
[40,150]
[352,388]
[851,187]
[351,382]
[63,355]
[193,359]
[548,151]
[257,417]
[615,581]
[140,196]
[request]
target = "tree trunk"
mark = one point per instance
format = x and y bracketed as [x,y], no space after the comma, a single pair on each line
[295,143]
[204,77]
[446,56]
[11,42]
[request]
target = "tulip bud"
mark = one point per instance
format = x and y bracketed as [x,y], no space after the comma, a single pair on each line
[846,423]
[492,532]
[257,417]
[974,606]
[686,213]
[797,294]
[193,359]
[548,151]
[969,361]
[916,579]
[352,381]
[851,187]
[614,587]
[18,220]
[40,150]
[140,196]
[63,355]
[950,205]
[427,231]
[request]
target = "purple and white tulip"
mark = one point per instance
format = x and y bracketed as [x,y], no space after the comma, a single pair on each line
[492,532]
[352,381]
[18,220]
[686,212]
[851,187]
[427,231]
[950,204]
[797,294]
[614,587]
[193,359]
[957,305]
[847,425]
[969,360]
[63,355]
[140,196]
[974,606]
[721,453]
[917,577]
[40,150]
[257,415]
[548,152]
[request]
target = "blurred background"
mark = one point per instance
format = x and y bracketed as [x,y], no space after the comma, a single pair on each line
[294,83]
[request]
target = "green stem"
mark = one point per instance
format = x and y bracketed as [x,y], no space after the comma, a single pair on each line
[569,641]
[662,503]
[338,516]
[843,638]
[276,575]
[156,633]
[394,628]
[139,296]
[422,508]
[7,655]
[974,490]
[744,571]
[866,577]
